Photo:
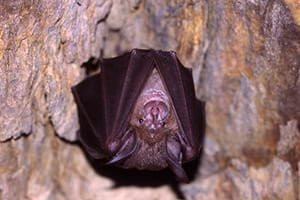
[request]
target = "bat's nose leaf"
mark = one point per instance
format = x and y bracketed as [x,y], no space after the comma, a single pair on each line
[127,148]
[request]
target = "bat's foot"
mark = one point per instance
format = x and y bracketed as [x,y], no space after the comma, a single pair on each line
[174,159]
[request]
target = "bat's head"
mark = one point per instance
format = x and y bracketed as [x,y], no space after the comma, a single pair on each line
[151,113]
[154,117]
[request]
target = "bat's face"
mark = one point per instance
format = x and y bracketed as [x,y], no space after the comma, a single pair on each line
[152,114]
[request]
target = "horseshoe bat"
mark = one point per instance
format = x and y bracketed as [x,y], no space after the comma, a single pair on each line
[141,112]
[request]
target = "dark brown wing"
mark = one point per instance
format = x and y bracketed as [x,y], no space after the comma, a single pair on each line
[189,111]
[105,101]
[89,102]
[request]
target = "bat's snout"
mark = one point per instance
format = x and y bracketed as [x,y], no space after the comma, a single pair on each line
[155,114]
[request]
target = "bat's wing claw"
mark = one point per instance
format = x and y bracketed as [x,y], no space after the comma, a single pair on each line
[127,148]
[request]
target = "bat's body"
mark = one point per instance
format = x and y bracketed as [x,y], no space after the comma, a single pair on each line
[154,120]
[141,112]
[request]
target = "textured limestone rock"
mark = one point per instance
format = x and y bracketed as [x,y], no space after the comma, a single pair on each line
[246,60]
[239,181]
[250,80]
[42,45]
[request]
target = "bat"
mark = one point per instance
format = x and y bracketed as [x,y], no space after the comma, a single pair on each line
[141,112]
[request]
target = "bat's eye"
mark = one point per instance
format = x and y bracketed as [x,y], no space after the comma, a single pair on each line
[163,124]
[141,121]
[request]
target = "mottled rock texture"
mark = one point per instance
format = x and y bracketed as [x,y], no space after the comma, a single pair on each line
[246,60]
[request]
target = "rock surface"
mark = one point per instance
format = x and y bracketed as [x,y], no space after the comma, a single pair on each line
[245,56]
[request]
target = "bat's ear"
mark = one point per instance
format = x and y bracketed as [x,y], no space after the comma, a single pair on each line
[128,146]
[174,158]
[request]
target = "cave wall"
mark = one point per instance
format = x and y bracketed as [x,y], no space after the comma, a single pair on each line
[245,57]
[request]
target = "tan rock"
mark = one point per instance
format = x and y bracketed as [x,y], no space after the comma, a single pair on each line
[245,57]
